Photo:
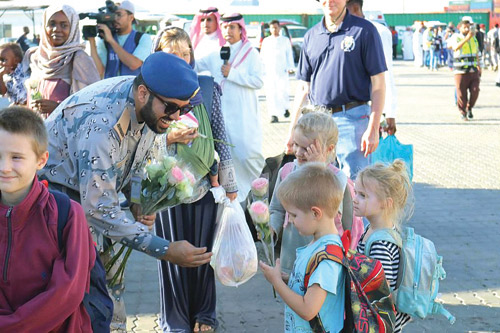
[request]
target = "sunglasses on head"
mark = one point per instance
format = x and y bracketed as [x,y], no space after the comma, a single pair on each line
[171,108]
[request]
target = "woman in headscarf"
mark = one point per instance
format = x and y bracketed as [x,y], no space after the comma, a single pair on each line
[188,294]
[59,65]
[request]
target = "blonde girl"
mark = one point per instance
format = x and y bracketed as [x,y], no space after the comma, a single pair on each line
[382,192]
[314,140]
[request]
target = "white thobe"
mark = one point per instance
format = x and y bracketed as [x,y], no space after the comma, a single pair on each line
[207,45]
[240,109]
[417,48]
[408,45]
[277,57]
[390,87]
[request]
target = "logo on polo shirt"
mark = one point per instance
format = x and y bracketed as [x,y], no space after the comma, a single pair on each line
[348,44]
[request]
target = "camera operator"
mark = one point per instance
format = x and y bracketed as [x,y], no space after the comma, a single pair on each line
[123,51]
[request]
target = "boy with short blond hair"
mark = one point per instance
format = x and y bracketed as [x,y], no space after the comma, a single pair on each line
[42,286]
[311,195]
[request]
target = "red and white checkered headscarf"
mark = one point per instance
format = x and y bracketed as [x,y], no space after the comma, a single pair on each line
[195,33]
[235,18]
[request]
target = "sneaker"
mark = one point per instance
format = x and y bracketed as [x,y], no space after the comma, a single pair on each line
[286,114]
[274,120]
[463,116]
[469,114]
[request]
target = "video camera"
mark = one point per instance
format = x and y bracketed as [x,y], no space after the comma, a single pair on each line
[105,15]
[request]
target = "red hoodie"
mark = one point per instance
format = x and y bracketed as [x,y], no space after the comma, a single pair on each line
[41,289]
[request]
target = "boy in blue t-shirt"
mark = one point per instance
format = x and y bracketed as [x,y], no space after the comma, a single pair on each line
[311,196]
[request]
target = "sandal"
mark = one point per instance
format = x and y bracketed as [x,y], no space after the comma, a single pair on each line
[200,327]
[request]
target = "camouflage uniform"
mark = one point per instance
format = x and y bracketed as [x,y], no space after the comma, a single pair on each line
[96,145]
[95,148]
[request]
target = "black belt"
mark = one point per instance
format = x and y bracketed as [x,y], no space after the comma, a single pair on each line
[338,108]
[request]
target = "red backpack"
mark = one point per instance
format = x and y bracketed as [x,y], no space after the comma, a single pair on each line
[345,221]
[369,306]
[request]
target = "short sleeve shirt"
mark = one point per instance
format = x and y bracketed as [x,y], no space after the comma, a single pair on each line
[14,82]
[142,50]
[330,276]
[339,65]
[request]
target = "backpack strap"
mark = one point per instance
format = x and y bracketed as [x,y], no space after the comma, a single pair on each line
[389,235]
[392,236]
[63,205]
[330,252]
[137,37]
[207,92]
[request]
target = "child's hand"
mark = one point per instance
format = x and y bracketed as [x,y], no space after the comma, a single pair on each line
[272,274]
[184,136]
[314,153]
[43,105]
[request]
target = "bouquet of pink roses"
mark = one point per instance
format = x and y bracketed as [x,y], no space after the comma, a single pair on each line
[258,208]
[166,184]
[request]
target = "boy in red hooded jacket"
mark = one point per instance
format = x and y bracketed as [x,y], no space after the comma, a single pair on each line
[41,287]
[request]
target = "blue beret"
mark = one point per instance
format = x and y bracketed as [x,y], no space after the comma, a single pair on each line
[169,76]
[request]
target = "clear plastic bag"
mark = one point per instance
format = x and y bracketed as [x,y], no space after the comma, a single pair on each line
[234,257]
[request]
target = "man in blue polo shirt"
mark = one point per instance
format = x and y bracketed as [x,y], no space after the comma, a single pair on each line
[341,69]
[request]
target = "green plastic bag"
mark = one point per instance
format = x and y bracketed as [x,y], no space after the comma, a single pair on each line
[390,149]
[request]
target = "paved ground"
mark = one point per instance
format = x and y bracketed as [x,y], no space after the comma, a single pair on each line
[457,192]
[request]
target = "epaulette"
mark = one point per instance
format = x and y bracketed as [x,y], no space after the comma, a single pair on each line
[123,123]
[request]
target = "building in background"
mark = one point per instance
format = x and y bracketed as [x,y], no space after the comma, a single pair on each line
[492,7]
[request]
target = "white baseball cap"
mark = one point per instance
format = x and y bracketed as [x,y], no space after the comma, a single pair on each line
[127,5]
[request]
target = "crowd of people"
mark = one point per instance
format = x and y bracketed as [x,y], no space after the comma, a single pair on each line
[87,125]
[466,50]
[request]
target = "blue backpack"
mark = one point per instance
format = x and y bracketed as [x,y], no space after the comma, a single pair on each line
[419,273]
[97,302]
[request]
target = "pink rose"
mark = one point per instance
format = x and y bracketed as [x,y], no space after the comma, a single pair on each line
[259,211]
[259,187]
[176,176]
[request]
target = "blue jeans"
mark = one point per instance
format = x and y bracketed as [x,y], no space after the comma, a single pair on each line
[427,58]
[352,125]
[450,58]
[434,59]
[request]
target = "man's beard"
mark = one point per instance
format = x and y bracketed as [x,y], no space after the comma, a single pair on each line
[149,117]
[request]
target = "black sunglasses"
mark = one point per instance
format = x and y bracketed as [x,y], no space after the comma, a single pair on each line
[171,108]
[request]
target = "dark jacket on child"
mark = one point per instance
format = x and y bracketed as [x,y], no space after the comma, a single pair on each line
[42,288]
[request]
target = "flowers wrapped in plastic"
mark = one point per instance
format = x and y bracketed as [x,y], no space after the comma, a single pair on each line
[189,121]
[258,207]
[259,212]
[234,258]
[32,85]
[167,183]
